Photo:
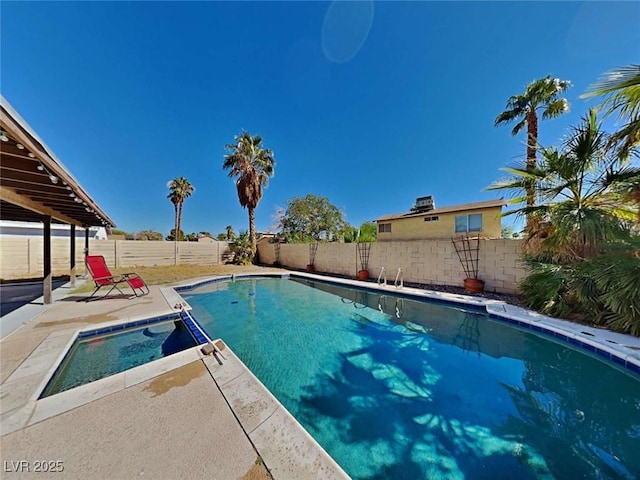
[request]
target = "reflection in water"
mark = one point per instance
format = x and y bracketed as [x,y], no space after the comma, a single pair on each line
[400,420]
[399,307]
[468,337]
[360,299]
[393,397]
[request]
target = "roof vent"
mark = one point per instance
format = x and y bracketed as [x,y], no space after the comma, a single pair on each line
[424,204]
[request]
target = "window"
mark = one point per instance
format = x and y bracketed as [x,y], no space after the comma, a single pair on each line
[431,219]
[384,228]
[469,223]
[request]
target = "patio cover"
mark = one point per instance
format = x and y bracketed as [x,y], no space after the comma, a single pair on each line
[34,183]
[35,186]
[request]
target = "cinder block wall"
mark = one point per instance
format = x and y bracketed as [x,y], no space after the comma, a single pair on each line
[22,257]
[422,261]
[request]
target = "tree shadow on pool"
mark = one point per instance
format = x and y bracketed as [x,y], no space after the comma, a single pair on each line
[384,396]
[583,415]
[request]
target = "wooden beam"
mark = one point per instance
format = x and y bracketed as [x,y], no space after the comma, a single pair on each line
[22,135]
[25,176]
[19,154]
[32,185]
[10,196]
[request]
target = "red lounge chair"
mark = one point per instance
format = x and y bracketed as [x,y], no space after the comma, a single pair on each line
[102,277]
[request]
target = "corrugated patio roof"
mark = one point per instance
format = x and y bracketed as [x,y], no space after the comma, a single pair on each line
[454,208]
[34,182]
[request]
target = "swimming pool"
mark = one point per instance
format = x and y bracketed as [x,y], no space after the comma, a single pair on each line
[396,388]
[100,353]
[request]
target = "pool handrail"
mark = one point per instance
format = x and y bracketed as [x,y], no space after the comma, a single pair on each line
[382,277]
[399,284]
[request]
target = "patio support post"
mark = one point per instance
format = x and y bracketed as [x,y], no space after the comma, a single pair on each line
[46,282]
[86,248]
[72,256]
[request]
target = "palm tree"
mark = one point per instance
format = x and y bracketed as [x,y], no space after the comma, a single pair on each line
[540,94]
[180,189]
[626,182]
[578,191]
[252,165]
[621,89]
[230,232]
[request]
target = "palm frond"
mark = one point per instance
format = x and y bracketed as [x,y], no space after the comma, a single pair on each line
[545,288]
[508,116]
[517,128]
[614,80]
[621,89]
[556,108]
[627,139]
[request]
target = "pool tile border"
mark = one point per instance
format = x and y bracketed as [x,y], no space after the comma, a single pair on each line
[130,324]
[617,352]
[98,331]
[194,327]
[624,351]
[39,374]
[572,339]
[73,398]
[36,409]
[190,285]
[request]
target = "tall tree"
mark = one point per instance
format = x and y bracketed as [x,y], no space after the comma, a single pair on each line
[230,233]
[543,94]
[620,88]
[173,237]
[251,165]
[312,219]
[148,235]
[578,194]
[179,190]
[587,264]
[367,232]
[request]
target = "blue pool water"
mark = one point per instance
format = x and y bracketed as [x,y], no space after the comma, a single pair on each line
[99,356]
[395,388]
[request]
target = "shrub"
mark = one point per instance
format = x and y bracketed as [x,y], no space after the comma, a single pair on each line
[546,288]
[241,249]
[603,290]
[610,284]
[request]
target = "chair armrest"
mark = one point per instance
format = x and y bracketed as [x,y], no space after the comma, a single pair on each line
[113,277]
[131,274]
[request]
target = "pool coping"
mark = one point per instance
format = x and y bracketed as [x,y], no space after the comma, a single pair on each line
[293,453]
[621,349]
[37,409]
[265,414]
[285,446]
[617,349]
[279,456]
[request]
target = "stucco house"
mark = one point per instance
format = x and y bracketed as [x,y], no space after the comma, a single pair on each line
[425,221]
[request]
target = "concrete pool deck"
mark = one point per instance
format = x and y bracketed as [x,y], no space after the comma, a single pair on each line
[184,416]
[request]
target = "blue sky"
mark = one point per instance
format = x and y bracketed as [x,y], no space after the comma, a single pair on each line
[368,104]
